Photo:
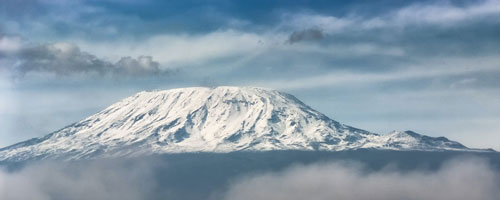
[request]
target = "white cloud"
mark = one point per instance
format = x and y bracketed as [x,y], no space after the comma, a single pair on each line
[180,50]
[175,50]
[326,23]
[5,90]
[10,44]
[438,13]
[463,82]
[444,13]
[461,179]
[92,180]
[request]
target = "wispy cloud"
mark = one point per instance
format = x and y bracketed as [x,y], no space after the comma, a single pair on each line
[438,13]
[445,13]
[180,50]
[430,69]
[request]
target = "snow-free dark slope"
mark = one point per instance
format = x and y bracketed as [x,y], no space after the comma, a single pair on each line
[221,119]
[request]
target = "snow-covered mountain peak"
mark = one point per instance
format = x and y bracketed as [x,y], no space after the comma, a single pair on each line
[413,141]
[219,119]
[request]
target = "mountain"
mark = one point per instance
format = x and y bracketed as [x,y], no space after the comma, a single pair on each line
[221,119]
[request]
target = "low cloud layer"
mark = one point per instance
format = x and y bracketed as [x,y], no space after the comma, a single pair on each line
[97,180]
[456,180]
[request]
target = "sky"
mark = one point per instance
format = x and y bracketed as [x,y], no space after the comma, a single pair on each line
[428,66]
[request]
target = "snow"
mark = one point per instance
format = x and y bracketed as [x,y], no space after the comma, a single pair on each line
[201,119]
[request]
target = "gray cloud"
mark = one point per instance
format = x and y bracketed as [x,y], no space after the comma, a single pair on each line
[310,34]
[143,65]
[106,180]
[68,59]
[61,59]
[456,180]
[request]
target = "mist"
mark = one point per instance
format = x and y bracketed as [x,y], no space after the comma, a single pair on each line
[272,175]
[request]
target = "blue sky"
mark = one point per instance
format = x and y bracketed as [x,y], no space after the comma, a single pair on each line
[428,66]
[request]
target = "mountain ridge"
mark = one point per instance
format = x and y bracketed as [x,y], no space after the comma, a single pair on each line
[216,119]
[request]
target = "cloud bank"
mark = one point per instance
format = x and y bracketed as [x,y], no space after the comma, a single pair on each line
[456,180]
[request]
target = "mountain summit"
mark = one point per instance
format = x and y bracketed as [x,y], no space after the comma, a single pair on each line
[221,119]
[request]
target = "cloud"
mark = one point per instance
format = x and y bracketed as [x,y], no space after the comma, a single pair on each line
[9,44]
[106,180]
[463,82]
[143,65]
[426,70]
[347,40]
[462,179]
[67,59]
[445,13]
[306,35]
[438,13]
[328,24]
[176,177]
[61,59]
[181,50]
[420,29]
